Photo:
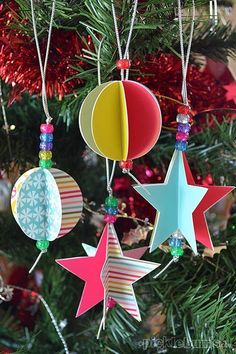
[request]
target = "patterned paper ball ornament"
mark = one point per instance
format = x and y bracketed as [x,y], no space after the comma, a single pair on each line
[46,202]
[120,120]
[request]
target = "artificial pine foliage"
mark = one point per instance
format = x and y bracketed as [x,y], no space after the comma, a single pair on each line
[195,297]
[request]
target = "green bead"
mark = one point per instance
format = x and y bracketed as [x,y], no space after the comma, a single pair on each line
[45,155]
[111,202]
[45,163]
[42,244]
[177,251]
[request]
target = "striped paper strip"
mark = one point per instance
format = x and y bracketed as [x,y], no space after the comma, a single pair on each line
[119,273]
[71,200]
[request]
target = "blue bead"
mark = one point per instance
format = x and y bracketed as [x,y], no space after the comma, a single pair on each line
[171,242]
[175,242]
[47,138]
[181,145]
[184,128]
[111,210]
[178,242]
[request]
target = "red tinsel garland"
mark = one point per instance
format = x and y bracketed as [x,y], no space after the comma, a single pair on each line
[19,62]
[162,73]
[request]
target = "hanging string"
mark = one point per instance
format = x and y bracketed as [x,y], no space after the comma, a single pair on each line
[43,67]
[37,260]
[99,62]
[136,180]
[110,176]
[173,260]
[126,52]
[185,58]
[6,126]
[213,13]
[47,307]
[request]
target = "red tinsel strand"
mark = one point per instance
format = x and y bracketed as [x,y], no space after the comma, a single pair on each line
[19,62]
[162,73]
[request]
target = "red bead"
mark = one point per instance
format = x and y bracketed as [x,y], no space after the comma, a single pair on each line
[183,109]
[123,64]
[111,219]
[127,165]
[46,128]
[111,303]
[190,121]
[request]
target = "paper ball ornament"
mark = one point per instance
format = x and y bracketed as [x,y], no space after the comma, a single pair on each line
[46,203]
[120,120]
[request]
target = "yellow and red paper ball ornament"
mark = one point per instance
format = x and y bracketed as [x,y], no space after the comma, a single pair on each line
[120,120]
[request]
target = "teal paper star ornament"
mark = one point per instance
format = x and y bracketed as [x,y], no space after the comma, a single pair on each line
[175,201]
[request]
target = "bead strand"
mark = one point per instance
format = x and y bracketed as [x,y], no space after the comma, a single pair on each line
[111,204]
[46,145]
[182,135]
[176,245]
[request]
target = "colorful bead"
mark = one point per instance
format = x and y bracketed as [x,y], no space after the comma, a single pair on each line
[184,128]
[45,163]
[111,201]
[46,128]
[123,64]
[177,251]
[127,165]
[111,210]
[183,109]
[45,155]
[47,138]
[111,303]
[182,136]
[181,145]
[111,219]
[45,146]
[182,118]
[175,242]
[42,244]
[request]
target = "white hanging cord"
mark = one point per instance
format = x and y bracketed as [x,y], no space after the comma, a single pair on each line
[110,176]
[136,180]
[6,126]
[43,67]
[185,59]
[173,260]
[126,52]
[102,324]
[99,63]
[54,322]
[213,13]
[37,260]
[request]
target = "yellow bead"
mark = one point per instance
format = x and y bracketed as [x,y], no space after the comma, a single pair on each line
[45,155]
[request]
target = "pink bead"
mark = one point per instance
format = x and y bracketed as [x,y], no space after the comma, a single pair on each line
[46,128]
[111,303]
[182,136]
[110,218]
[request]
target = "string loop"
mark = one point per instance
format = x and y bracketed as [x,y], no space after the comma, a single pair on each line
[185,58]
[43,67]
[126,51]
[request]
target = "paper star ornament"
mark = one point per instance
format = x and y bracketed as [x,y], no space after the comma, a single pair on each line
[108,273]
[213,195]
[175,201]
